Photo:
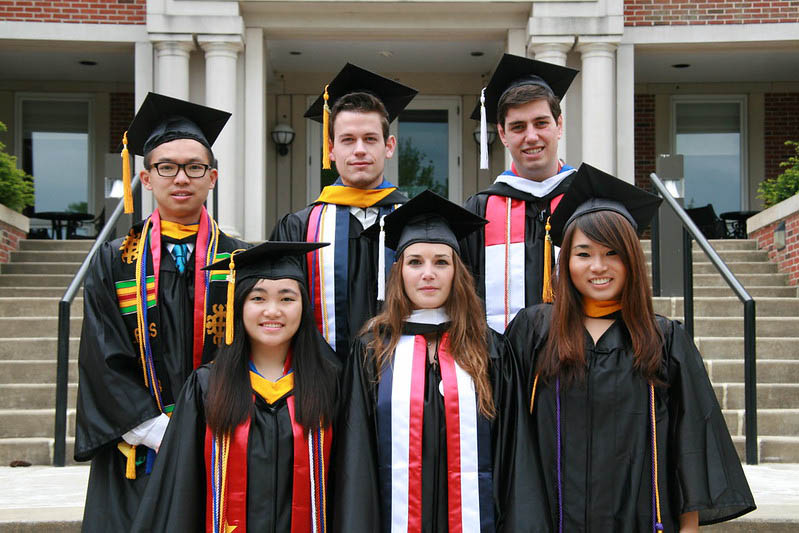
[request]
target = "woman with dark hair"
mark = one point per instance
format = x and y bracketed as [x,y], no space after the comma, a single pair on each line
[627,430]
[248,446]
[426,438]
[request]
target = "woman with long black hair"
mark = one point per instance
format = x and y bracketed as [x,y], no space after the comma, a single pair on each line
[628,435]
[248,446]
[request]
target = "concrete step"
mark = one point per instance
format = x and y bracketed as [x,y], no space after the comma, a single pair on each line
[32,422]
[35,450]
[728,256]
[14,327]
[36,280]
[22,307]
[733,347]
[717,244]
[55,246]
[755,292]
[734,326]
[770,422]
[33,396]
[768,371]
[748,280]
[772,449]
[36,256]
[769,395]
[40,268]
[738,268]
[42,348]
[729,306]
[45,521]
[34,371]
[36,292]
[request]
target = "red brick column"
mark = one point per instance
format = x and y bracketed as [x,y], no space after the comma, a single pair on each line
[644,138]
[787,259]
[781,123]
[9,240]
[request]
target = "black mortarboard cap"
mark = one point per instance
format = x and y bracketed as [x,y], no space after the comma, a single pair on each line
[427,217]
[593,190]
[395,96]
[513,71]
[270,260]
[162,119]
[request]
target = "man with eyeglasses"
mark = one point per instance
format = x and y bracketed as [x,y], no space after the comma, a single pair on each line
[152,281]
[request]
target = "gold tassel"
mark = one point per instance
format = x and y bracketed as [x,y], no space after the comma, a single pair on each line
[547,295]
[231,290]
[325,133]
[130,453]
[126,175]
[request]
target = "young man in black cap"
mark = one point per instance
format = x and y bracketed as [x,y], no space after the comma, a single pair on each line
[508,257]
[151,281]
[342,278]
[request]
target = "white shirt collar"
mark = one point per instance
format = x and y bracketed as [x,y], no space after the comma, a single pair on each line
[539,189]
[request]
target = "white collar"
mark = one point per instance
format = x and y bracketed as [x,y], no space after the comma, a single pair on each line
[428,316]
[539,189]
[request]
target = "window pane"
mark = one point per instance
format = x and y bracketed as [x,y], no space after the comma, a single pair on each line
[423,151]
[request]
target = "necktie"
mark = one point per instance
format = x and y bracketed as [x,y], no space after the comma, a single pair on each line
[179,251]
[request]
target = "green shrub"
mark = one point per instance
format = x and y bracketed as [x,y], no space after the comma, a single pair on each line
[16,187]
[775,190]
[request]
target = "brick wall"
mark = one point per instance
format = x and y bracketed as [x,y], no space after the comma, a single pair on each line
[787,259]
[781,124]
[122,111]
[644,139]
[9,240]
[703,12]
[75,11]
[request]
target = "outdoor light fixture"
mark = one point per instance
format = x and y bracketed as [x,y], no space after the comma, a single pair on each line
[491,131]
[779,236]
[283,135]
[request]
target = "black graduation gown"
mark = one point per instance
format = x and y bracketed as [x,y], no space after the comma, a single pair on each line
[362,262]
[537,211]
[175,499]
[354,479]
[606,440]
[112,397]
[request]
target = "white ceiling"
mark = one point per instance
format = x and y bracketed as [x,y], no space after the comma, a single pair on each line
[26,60]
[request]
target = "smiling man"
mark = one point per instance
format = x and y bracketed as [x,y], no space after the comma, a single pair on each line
[342,278]
[508,257]
[151,280]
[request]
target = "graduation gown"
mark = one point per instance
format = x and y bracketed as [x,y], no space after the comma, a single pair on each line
[536,212]
[112,396]
[359,489]
[176,496]
[360,299]
[606,439]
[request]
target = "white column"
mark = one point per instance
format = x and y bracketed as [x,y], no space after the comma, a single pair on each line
[172,58]
[625,113]
[555,53]
[516,44]
[599,105]
[221,54]
[143,69]
[255,135]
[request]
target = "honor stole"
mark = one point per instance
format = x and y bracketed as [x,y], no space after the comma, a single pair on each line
[504,245]
[400,412]
[226,468]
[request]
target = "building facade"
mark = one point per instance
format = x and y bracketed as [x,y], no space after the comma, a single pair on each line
[714,80]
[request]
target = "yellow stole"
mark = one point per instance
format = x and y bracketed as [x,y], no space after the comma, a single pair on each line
[353,197]
[271,391]
[600,308]
[178,231]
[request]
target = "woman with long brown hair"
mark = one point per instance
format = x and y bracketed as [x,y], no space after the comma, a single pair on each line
[628,433]
[432,405]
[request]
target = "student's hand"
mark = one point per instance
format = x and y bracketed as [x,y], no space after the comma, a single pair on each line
[689,522]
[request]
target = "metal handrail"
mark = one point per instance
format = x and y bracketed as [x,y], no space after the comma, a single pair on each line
[62,371]
[690,232]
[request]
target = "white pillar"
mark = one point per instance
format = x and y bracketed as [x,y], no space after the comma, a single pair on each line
[555,53]
[255,75]
[625,113]
[143,68]
[599,105]
[172,57]
[221,54]
[516,44]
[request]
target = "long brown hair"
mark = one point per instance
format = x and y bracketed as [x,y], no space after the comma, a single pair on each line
[468,333]
[564,353]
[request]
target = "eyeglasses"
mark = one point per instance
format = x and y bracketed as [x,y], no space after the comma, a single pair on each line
[167,169]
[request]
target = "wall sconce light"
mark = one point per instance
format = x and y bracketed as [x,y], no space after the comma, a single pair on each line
[283,135]
[779,236]
[491,131]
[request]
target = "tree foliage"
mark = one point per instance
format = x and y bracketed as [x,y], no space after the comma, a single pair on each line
[16,186]
[415,172]
[775,190]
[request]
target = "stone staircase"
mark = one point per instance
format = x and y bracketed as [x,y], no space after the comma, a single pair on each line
[30,287]
[718,325]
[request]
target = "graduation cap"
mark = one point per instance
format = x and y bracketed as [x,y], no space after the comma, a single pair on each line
[162,119]
[427,217]
[395,97]
[514,71]
[268,260]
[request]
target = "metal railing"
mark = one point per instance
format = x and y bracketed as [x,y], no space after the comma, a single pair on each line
[691,232]
[62,372]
